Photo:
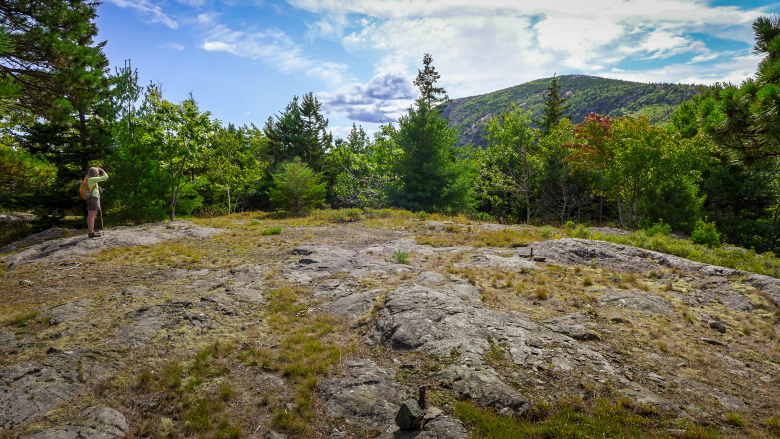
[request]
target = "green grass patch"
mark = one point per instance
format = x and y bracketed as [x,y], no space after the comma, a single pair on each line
[400,256]
[483,238]
[573,418]
[731,257]
[271,231]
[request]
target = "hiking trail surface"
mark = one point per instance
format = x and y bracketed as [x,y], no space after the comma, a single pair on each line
[254,326]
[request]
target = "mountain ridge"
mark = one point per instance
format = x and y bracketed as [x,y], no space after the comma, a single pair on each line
[586,94]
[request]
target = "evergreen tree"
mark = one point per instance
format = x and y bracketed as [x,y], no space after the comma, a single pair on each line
[555,107]
[746,119]
[297,189]
[430,175]
[299,131]
[426,78]
[62,88]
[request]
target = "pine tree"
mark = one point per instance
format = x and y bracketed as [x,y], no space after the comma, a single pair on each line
[554,108]
[431,175]
[62,87]
[426,78]
[746,119]
[299,131]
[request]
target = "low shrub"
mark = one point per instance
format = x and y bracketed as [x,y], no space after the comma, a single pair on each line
[704,233]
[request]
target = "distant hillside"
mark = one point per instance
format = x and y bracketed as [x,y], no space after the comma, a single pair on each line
[586,94]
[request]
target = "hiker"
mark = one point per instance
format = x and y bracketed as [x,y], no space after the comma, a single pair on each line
[93,200]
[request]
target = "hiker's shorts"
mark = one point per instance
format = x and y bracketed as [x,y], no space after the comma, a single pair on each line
[93,204]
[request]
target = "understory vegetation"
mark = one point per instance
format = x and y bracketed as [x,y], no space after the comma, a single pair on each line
[611,166]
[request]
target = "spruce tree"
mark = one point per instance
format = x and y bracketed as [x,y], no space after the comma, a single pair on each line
[554,108]
[431,175]
[426,78]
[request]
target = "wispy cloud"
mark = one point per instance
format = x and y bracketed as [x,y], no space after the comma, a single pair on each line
[735,70]
[383,99]
[154,12]
[273,47]
[174,46]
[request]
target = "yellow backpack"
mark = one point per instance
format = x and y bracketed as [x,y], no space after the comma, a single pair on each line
[84,191]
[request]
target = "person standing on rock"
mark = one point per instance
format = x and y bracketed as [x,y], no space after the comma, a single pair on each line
[93,201]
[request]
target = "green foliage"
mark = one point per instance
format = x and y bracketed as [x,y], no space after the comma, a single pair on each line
[744,119]
[400,256]
[569,418]
[233,163]
[585,94]
[364,176]
[297,189]
[300,131]
[705,234]
[432,174]
[271,231]
[554,107]
[659,228]
[426,78]
[512,160]
[582,232]
[629,159]
[731,257]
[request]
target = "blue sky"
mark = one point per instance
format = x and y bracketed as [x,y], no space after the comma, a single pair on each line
[244,60]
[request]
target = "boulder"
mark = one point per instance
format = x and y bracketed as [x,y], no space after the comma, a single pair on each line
[367,395]
[485,388]
[729,401]
[442,427]
[409,416]
[770,286]
[320,260]
[29,390]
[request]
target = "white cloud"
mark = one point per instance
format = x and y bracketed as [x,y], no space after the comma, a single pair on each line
[383,99]
[174,46]
[330,27]
[145,7]
[272,47]
[736,70]
[482,45]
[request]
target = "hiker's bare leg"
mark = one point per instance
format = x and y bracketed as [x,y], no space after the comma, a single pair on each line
[91,221]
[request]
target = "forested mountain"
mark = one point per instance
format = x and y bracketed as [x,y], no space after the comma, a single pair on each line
[585,94]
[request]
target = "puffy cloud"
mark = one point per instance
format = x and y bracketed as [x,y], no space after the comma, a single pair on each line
[383,99]
[479,46]
[145,7]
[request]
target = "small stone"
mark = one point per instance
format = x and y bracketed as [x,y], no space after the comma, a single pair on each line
[274,435]
[715,342]
[617,320]
[719,326]
[409,416]
[25,283]
[675,432]
[432,413]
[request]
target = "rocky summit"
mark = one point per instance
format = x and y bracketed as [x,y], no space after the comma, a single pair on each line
[258,326]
